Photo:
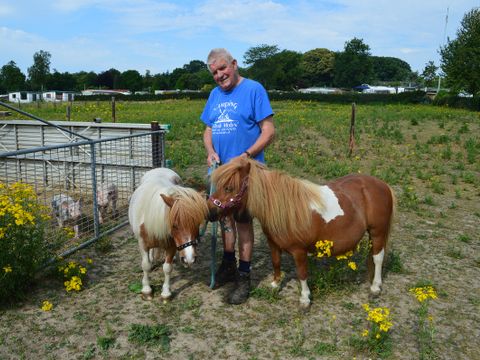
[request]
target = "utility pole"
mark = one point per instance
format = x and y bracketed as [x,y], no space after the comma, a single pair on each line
[444,39]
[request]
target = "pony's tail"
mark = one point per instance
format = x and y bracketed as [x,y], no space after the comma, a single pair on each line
[392,218]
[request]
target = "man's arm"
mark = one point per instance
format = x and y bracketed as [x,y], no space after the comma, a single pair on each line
[207,142]
[266,136]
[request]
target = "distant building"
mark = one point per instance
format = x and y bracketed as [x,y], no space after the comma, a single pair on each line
[55,95]
[106,92]
[320,90]
[24,96]
[369,89]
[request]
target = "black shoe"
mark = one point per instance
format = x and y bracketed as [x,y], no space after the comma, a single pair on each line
[242,290]
[227,272]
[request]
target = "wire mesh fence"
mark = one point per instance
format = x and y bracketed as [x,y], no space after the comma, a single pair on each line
[84,185]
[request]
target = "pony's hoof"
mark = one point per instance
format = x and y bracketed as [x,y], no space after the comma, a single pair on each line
[305,304]
[275,284]
[166,297]
[147,296]
[375,290]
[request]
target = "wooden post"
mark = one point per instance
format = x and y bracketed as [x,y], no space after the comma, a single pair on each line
[156,158]
[351,144]
[113,109]
[68,112]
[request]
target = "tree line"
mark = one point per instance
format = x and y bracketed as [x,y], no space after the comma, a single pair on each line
[276,69]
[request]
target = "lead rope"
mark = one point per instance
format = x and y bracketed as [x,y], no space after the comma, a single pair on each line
[213,244]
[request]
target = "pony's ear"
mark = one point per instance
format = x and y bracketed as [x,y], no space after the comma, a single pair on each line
[168,200]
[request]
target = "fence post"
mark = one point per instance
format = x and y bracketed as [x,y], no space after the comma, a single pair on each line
[351,144]
[68,112]
[113,109]
[156,159]
[93,168]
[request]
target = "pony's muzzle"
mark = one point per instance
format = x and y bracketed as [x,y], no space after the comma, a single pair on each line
[187,261]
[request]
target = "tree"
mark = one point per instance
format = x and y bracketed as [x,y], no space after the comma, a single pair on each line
[162,81]
[286,70]
[131,80]
[61,81]
[353,66]
[390,69]
[109,79]
[429,74]
[147,81]
[84,80]
[39,71]
[317,66]
[258,53]
[272,68]
[195,66]
[11,78]
[460,58]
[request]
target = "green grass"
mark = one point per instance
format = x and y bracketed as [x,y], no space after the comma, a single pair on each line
[312,138]
[152,335]
[429,155]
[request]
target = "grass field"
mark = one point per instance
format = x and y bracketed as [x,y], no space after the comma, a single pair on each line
[429,155]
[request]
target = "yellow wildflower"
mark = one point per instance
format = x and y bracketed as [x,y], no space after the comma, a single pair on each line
[75,283]
[352,265]
[7,269]
[324,248]
[47,305]
[424,293]
[365,333]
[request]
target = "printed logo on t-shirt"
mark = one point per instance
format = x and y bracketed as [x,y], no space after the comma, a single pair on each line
[226,122]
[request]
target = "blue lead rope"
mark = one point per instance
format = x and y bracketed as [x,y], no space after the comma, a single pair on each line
[213,244]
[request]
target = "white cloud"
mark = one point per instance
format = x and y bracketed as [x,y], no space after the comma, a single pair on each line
[168,34]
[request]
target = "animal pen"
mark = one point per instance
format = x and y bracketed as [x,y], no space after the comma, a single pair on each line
[95,166]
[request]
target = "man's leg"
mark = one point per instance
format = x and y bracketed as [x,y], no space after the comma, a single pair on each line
[228,268]
[245,248]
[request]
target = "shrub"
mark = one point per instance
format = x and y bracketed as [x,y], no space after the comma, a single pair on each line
[22,247]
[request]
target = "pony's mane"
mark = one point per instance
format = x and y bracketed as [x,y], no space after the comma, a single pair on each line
[282,204]
[189,210]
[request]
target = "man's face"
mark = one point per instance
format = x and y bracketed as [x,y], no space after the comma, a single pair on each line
[225,74]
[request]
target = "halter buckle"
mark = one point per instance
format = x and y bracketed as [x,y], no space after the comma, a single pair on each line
[217,202]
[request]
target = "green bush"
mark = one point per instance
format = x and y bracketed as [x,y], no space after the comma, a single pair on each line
[22,247]
[454,101]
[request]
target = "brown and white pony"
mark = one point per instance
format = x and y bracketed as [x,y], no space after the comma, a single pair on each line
[165,216]
[295,214]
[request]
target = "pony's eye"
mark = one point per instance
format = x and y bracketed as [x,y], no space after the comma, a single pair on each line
[228,189]
[175,227]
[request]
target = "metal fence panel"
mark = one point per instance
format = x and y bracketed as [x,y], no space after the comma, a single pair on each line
[100,174]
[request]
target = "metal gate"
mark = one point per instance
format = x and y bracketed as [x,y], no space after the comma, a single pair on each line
[83,173]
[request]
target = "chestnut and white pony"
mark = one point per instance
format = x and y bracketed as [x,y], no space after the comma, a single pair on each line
[296,213]
[165,216]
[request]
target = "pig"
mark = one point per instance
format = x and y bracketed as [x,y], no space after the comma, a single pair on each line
[67,210]
[107,196]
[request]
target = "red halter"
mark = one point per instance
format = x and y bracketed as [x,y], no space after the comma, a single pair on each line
[232,202]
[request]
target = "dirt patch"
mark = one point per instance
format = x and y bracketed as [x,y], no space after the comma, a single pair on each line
[203,326]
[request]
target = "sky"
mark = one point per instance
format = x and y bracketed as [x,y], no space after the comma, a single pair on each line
[159,36]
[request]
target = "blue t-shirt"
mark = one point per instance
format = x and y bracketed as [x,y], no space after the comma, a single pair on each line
[234,117]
